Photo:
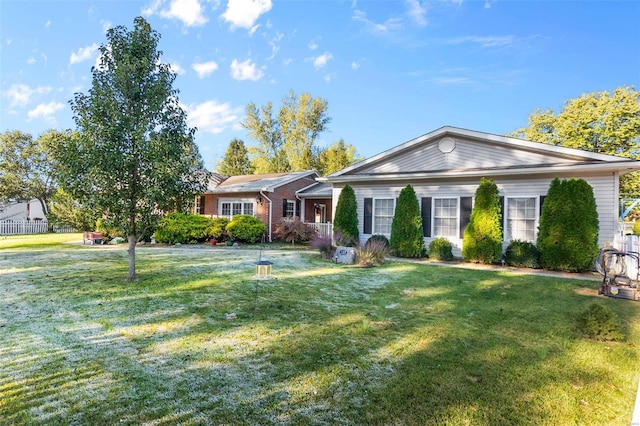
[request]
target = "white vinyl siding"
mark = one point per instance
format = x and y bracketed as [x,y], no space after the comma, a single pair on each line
[445,217]
[383,209]
[521,215]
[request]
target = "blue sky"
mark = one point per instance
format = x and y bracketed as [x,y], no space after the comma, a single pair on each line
[390,70]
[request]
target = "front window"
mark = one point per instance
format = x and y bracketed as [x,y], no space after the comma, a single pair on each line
[383,209]
[230,208]
[521,219]
[290,208]
[445,217]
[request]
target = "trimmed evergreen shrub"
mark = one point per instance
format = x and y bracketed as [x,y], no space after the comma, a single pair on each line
[599,322]
[440,249]
[568,232]
[219,229]
[246,228]
[183,228]
[522,254]
[293,230]
[407,237]
[482,242]
[345,222]
[378,238]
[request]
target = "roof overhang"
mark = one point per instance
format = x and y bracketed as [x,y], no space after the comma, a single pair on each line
[622,167]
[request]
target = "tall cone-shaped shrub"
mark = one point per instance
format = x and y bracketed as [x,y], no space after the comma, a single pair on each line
[345,222]
[407,238]
[568,234]
[482,242]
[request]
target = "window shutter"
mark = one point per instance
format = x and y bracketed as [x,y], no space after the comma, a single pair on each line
[466,204]
[368,215]
[425,212]
[201,210]
[284,208]
[502,218]
[542,197]
[297,212]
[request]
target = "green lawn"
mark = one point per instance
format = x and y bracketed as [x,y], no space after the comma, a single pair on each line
[197,340]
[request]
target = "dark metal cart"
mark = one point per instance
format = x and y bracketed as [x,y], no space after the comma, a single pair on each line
[620,271]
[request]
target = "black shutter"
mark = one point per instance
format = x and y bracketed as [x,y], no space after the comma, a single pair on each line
[502,218]
[368,215]
[425,212]
[201,210]
[466,204]
[542,197]
[297,212]
[284,208]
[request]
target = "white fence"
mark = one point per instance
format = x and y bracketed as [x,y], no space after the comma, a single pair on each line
[323,229]
[627,243]
[23,227]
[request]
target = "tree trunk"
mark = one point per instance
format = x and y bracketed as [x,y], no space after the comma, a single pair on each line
[132,256]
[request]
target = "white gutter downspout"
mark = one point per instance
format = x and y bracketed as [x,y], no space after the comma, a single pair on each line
[270,211]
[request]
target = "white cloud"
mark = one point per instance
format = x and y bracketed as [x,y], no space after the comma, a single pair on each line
[20,94]
[31,60]
[47,24]
[313,45]
[275,48]
[355,65]
[391,24]
[45,111]
[205,68]
[417,12]
[212,116]
[83,54]
[485,41]
[177,68]
[330,77]
[321,61]
[244,13]
[246,70]
[189,12]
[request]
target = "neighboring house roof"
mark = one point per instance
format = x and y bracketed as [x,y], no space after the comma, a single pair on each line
[451,152]
[316,190]
[260,182]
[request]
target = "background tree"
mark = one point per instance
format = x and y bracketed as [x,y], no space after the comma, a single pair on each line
[345,222]
[482,242]
[134,154]
[236,160]
[336,157]
[602,122]
[407,237]
[568,233]
[286,143]
[269,155]
[66,211]
[26,168]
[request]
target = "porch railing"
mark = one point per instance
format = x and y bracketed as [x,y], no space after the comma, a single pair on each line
[323,229]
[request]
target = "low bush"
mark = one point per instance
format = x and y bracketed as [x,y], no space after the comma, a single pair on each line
[246,228]
[440,249]
[378,237]
[345,240]
[183,228]
[218,229]
[598,322]
[522,254]
[293,230]
[373,253]
[636,227]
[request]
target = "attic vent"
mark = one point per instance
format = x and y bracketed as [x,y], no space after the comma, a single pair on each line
[446,145]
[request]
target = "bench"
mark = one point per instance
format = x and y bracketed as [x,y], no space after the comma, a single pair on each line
[92,237]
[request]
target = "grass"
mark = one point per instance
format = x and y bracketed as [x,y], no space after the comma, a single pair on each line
[196,340]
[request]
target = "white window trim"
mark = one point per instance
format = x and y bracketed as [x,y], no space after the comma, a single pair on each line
[373,214]
[291,202]
[433,217]
[236,200]
[536,221]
